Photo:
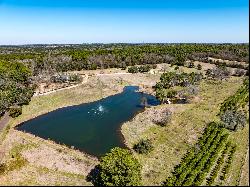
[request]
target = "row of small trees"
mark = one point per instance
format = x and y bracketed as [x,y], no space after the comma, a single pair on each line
[234,109]
[198,161]
[141,69]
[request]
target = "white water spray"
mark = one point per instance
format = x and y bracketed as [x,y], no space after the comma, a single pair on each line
[100,108]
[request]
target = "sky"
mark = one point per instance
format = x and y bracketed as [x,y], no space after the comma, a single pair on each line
[123,21]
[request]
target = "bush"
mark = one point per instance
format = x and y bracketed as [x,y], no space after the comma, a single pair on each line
[3,168]
[199,67]
[176,68]
[233,120]
[219,72]
[143,147]
[143,69]
[75,78]
[154,66]
[162,118]
[133,69]
[15,112]
[190,65]
[119,168]
[239,72]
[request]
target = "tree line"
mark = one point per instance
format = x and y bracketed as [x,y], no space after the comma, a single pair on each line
[90,57]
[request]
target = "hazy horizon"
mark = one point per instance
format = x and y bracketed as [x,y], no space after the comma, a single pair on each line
[122,43]
[65,22]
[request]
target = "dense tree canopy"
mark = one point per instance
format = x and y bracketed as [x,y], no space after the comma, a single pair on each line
[120,168]
[15,87]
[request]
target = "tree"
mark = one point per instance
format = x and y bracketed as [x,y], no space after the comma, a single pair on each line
[234,120]
[119,168]
[15,112]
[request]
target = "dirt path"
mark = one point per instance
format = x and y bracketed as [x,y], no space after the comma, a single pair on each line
[85,80]
[113,74]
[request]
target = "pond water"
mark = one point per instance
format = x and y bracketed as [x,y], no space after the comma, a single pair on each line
[91,127]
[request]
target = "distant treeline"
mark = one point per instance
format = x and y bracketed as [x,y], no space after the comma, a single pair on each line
[78,57]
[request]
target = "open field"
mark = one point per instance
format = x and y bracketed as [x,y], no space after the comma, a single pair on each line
[53,164]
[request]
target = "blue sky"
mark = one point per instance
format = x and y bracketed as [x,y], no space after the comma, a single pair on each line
[129,21]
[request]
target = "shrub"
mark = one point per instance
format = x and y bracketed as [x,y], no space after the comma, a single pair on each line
[191,65]
[176,68]
[3,168]
[153,66]
[219,72]
[75,78]
[123,66]
[133,69]
[239,72]
[162,118]
[143,147]
[119,168]
[233,120]
[15,111]
[143,69]
[199,67]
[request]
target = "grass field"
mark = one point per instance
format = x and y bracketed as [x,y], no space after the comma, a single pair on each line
[188,121]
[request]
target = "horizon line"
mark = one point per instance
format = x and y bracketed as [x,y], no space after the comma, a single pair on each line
[107,43]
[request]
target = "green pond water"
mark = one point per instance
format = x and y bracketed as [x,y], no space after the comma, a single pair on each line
[93,127]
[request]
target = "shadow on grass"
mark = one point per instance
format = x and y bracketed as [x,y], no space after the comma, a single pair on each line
[94,176]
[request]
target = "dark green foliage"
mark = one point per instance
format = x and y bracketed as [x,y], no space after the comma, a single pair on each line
[15,86]
[199,159]
[3,168]
[233,120]
[15,112]
[133,69]
[14,71]
[226,168]
[238,100]
[119,168]
[171,79]
[214,173]
[143,147]
[141,69]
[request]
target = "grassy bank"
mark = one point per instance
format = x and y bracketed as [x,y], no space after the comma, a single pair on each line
[188,121]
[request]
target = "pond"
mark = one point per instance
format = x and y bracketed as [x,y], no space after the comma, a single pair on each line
[91,127]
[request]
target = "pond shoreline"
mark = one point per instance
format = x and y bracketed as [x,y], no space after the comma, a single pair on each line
[119,133]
